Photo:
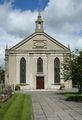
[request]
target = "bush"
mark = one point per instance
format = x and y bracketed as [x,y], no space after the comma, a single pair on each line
[17,87]
[62,86]
[23,84]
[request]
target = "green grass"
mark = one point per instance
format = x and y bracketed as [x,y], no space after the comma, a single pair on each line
[74,96]
[18,107]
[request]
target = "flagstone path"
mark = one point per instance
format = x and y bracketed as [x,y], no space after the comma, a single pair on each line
[53,106]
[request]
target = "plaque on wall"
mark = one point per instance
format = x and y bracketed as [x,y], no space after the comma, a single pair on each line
[40,44]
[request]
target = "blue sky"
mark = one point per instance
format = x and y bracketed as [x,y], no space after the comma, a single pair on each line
[62,20]
[28,4]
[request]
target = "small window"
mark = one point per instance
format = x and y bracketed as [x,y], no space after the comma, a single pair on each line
[39,25]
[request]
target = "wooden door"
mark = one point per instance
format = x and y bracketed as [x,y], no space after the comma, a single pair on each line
[39,82]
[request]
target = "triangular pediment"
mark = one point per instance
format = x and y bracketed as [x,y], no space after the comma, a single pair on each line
[39,41]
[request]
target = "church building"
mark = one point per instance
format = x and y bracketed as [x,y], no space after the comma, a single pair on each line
[36,62]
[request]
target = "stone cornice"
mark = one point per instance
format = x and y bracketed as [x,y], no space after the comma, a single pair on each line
[38,52]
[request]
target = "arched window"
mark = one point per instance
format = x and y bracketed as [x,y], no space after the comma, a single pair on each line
[57,71]
[39,65]
[22,70]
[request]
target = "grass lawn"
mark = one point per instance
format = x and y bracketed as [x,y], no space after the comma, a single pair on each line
[18,107]
[73,96]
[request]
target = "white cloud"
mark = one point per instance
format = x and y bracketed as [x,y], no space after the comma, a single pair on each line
[16,22]
[77,43]
[64,16]
[15,25]
[62,20]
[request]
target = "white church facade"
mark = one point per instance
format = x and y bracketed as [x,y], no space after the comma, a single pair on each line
[36,62]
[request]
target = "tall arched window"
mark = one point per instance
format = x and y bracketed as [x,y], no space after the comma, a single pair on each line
[22,70]
[39,65]
[57,71]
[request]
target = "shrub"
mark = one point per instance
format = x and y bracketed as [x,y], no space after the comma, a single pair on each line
[17,87]
[23,84]
[62,86]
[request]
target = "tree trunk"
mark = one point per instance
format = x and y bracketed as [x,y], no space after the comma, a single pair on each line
[80,86]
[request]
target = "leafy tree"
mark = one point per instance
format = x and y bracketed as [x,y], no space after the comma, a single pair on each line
[2,73]
[72,69]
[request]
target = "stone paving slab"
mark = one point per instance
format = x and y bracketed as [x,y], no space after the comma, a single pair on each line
[52,106]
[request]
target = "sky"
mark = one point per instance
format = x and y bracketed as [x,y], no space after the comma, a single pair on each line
[62,20]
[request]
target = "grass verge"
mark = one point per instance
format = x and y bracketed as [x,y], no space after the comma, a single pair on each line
[73,96]
[18,107]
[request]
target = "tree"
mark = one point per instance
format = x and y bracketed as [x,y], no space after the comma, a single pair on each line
[72,69]
[2,73]
[78,71]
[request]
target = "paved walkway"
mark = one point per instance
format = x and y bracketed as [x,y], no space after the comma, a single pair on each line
[52,106]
